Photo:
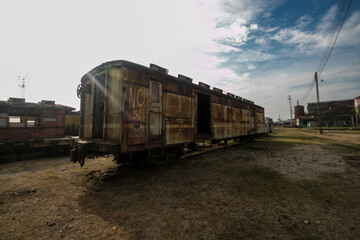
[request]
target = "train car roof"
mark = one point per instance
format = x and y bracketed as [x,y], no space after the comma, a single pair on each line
[20,103]
[135,66]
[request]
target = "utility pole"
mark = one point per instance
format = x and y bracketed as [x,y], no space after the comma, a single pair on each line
[289,98]
[318,103]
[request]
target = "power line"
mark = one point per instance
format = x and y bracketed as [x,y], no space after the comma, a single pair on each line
[334,33]
[345,69]
[338,22]
[306,95]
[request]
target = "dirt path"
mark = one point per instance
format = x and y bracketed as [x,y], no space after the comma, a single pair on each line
[288,186]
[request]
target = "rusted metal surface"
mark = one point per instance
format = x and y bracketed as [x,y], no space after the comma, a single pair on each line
[145,108]
[135,112]
[22,121]
[113,105]
[32,126]
[87,102]
[155,109]
[72,123]
[260,121]
[178,117]
[185,78]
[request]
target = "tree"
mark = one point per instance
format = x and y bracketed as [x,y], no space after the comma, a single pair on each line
[327,117]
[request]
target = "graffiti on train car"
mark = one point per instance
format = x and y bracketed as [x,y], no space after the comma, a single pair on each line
[136,112]
[136,100]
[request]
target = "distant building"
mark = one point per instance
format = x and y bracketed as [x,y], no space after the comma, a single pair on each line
[301,120]
[357,109]
[288,122]
[343,109]
[305,121]
[299,111]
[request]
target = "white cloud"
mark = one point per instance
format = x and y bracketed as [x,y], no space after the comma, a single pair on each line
[246,75]
[305,41]
[247,9]
[310,41]
[236,33]
[254,26]
[251,67]
[254,56]
[327,20]
[261,41]
[303,21]
[350,32]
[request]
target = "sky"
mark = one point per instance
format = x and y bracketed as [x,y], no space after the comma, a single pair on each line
[261,50]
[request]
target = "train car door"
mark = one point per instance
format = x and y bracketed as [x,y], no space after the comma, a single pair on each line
[155,113]
[203,116]
[98,112]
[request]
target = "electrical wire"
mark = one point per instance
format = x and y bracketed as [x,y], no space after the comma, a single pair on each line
[338,22]
[312,84]
[345,69]
[334,33]
[306,95]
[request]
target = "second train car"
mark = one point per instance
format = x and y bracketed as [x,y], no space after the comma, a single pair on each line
[144,115]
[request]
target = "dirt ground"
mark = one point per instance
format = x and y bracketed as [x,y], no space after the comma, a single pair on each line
[291,185]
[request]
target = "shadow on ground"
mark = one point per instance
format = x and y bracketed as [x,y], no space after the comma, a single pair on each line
[220,195]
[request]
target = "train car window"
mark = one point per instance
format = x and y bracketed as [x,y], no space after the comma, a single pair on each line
[30,123]
[33,121]
[203,114]
[3,120]
[155,95]
[16,121]
[49,119]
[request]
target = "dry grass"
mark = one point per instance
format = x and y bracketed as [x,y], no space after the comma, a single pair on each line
[230,193]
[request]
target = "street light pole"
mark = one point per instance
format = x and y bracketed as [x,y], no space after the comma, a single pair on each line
[318,103]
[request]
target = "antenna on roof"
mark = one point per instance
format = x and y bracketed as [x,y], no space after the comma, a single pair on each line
[21,85]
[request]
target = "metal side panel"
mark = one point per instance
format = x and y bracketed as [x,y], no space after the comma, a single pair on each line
[88,110]
[178,119]
[114,94]
[135,113]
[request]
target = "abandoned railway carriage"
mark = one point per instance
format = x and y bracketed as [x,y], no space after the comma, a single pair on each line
[142,114]
[26,126]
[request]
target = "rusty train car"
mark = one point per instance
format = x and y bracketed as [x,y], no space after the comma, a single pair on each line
[26,127]
[144,115]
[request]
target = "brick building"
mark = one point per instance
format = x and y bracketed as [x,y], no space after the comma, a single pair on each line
[343,110]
